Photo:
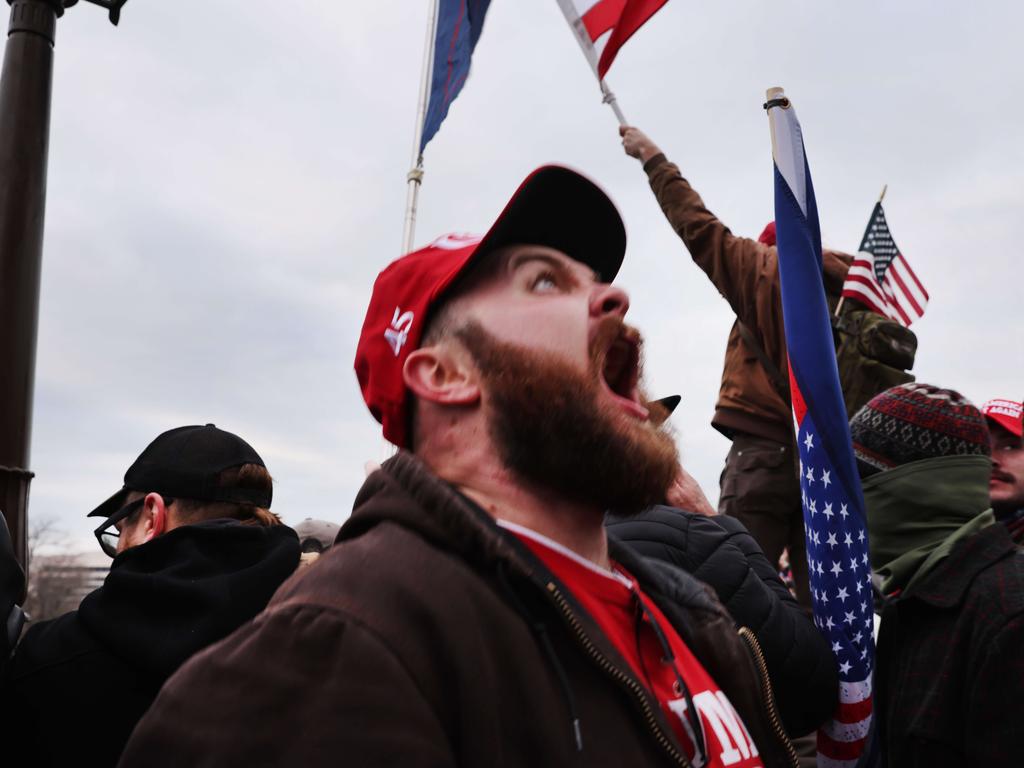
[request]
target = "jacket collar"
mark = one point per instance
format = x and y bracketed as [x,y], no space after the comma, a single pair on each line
[166,599]
[916,512]
[946,586]
[406,492]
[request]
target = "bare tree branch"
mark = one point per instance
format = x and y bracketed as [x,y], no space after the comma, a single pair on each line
[56,580]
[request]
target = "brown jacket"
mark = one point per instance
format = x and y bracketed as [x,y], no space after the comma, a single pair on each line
[428,637]
[746,273]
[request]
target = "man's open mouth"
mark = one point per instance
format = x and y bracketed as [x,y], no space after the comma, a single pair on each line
[620,371]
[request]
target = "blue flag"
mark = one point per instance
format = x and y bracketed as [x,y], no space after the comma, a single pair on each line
[459,23]
[833,504]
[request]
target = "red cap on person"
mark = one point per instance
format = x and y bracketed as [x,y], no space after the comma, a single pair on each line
[767,236]
[554,206]
[1005,413]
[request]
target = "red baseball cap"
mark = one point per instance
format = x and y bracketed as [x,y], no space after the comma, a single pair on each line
[1005,413]
[554,206]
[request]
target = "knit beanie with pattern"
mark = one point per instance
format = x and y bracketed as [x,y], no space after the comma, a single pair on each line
[911,422]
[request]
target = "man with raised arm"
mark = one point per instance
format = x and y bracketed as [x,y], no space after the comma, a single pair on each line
[759,483]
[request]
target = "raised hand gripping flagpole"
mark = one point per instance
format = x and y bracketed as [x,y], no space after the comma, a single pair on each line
[832,500]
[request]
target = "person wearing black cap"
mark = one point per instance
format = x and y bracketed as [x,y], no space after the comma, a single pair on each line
[196,553]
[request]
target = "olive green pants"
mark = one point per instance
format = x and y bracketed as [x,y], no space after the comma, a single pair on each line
[759,487]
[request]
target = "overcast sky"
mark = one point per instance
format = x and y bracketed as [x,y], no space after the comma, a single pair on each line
[227,178]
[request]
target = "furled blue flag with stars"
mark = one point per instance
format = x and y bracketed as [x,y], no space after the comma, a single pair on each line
[833,504]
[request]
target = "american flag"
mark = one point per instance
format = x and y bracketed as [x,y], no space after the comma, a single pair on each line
[880,276]
[833,504]
[603,26]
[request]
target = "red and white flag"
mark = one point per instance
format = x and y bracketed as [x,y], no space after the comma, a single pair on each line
[604,26]
[881,277]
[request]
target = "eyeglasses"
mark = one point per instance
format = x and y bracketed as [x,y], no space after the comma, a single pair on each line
[107,533]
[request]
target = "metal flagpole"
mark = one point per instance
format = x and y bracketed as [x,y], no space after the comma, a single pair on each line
[26,81]
[881,197]
[611,101]
[415,176]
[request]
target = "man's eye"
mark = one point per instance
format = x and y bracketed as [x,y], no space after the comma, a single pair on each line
[544,283]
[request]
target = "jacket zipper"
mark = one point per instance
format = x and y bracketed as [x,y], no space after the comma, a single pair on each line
[613,671]
[767,697]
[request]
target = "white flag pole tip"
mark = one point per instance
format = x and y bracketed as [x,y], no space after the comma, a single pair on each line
[775,97]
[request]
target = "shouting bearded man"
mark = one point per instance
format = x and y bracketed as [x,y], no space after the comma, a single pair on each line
[473,611]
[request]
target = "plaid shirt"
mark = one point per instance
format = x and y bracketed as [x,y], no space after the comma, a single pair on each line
[949,684]
[1015,525]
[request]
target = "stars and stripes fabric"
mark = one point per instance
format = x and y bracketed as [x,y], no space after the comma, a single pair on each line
[603,26]
[833,504]
[459,24]
[881,277]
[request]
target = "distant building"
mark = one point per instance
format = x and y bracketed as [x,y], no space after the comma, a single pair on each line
[316,535]
[58,582]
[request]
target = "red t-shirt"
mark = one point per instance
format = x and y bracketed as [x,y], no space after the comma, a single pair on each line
[613,599]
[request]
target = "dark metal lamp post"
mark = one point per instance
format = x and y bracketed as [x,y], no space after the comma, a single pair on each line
[25,87]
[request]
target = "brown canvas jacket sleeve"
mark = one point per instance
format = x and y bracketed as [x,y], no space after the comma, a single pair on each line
[744,271]
[260,697]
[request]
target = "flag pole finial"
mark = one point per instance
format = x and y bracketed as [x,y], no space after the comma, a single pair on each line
[885,188]
[775,97]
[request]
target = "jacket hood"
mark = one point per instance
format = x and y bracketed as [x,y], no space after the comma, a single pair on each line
[405,491]
[918,511]
[166,599]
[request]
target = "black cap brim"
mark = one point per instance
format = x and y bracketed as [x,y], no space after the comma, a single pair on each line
[668,404]
[111,505]
[562,209]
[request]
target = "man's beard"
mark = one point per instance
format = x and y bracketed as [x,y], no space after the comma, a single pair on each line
[551,428]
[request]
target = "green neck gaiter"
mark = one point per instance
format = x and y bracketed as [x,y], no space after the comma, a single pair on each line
[917,512]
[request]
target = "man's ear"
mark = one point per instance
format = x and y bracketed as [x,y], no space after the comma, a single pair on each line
[154,516]
[441,374]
